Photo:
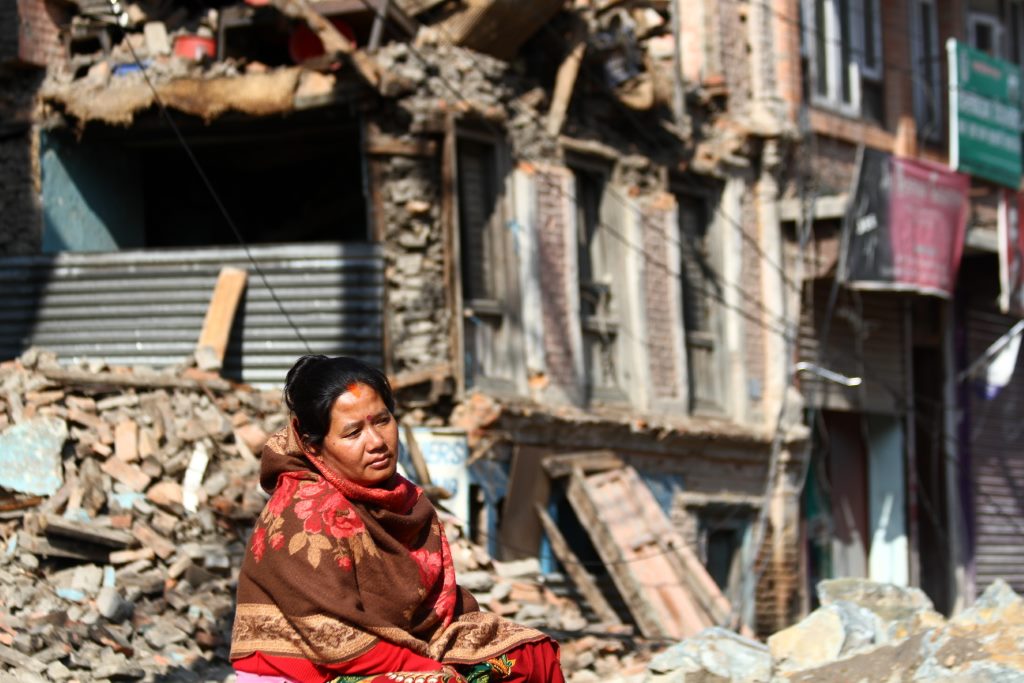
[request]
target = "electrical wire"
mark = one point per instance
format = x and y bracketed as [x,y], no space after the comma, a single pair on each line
[209,187]
[626,204]
[648,257]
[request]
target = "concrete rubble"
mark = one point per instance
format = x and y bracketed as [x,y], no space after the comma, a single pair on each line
[111,577]
[123,566]
[863,632]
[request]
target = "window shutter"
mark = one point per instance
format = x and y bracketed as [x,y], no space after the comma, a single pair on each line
[476,206]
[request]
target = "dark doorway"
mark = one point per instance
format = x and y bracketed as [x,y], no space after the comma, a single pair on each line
[933,537]
[281,181]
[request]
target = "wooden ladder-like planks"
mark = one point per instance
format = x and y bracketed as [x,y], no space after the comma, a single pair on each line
[663,583]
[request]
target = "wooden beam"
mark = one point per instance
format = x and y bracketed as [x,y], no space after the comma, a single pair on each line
[565,79]
[220,316]
[419,463]
[58,547]
[99,380]
[563,464]
[450,230]
[577,572]
[410,378]
[829,207]
[686,565]
[696,499]
[388,145]
[55,525]
[332,39]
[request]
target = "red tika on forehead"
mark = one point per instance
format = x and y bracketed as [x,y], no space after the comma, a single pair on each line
[355,389]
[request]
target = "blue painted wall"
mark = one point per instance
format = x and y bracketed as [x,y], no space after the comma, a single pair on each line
[92,196]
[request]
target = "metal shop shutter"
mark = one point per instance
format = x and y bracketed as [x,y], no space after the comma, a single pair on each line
[147,307]
[996,429]
[866,339]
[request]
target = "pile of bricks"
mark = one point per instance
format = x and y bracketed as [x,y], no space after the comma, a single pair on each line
[126,500]
[125,506]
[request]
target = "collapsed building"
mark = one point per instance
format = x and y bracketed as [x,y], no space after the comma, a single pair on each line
[556,229]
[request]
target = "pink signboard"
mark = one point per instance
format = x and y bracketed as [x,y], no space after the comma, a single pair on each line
[907,224]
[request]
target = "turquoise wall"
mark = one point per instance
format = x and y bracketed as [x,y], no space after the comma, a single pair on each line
[91,196]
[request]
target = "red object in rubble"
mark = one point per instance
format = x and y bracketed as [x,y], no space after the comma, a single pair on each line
[195,47]
[304,44]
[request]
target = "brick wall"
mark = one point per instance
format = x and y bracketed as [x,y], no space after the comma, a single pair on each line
[832,165]
[553,253]
[752,297]
[20,212]
[662,320]
[786,44]
[735,53]
[10,26]
[30,32]
[419,320]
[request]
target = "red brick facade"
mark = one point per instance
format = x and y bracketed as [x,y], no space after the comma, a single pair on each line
[755,319]
[553,193]
[663,322]
[31,32]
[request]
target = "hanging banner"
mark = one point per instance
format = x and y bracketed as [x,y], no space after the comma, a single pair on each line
[905,229]
[984,115]
[1011,253]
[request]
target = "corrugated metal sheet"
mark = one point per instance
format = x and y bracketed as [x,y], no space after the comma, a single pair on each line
[997,464]
[866,339]
[147,307]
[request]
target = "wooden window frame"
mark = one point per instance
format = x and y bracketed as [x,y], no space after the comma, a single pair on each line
[713,338]
[609,322]
[504,305]
[840,34]
[927,96]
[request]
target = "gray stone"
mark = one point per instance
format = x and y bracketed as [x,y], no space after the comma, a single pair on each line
[30,456]
[518,568]
[162,634]
[991,607]
[863,627]
[530,613]
[87,578]
[816,640]
[888,601]
[713,652]
[112,606]
[57,672]
[476,582]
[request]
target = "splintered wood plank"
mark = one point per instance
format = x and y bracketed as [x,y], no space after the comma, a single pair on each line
[55,525]
[577,572]
[687,565]
[213,340]
[638,523]
[565,79]
[617,559]
[649,550]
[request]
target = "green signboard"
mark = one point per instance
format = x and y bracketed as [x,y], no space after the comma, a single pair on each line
[984,115]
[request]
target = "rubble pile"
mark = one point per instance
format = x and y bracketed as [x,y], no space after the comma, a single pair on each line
[863,632]
[126,500]
[128,497]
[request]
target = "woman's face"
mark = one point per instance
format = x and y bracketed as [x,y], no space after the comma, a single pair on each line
[362,442]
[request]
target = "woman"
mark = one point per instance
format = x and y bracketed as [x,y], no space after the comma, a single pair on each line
[348,575]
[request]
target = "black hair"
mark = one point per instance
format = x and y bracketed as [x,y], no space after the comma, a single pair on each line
[316,381]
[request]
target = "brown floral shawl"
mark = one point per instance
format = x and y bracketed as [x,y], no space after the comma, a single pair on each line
[332,568]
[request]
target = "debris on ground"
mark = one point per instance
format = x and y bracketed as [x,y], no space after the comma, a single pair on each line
[863,631]
[126,500]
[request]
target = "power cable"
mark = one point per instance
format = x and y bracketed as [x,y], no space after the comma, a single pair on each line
[209,187]
[623,201]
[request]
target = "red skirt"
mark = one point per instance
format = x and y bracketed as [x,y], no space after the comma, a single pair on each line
[536,662]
